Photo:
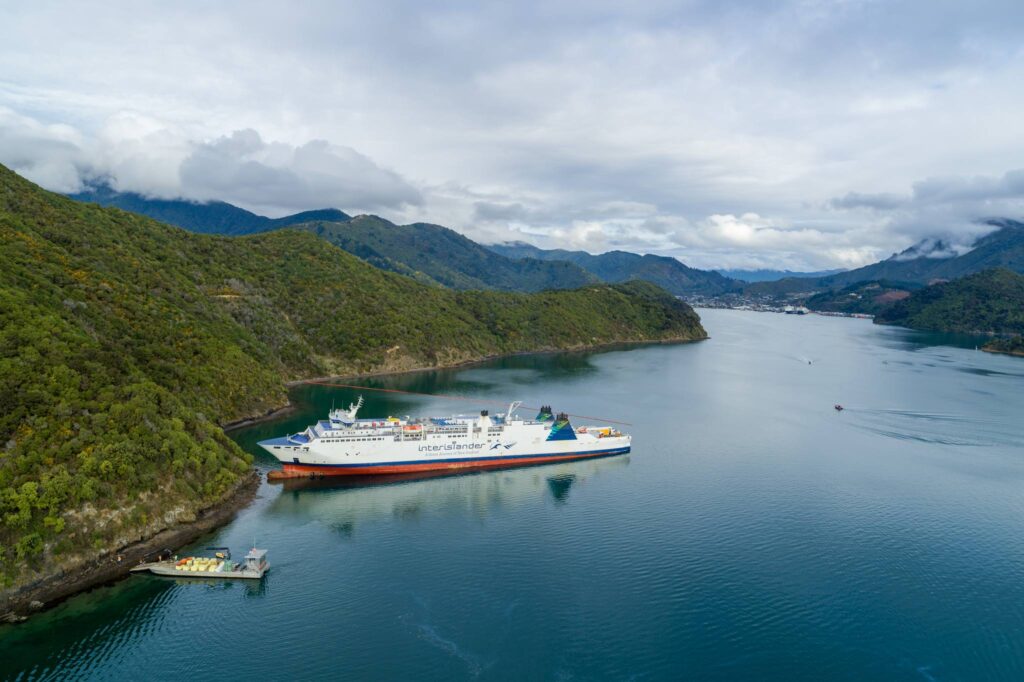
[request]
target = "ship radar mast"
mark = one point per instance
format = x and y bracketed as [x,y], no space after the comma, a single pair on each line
[348,416]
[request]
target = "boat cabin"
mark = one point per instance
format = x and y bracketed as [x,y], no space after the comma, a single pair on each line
[256,560]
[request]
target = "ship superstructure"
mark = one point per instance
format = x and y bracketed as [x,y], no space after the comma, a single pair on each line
[344,444]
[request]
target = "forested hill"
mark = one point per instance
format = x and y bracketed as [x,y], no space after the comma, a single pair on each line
[866,298]
[124,342]
[622,266]
[211,217]
[438,255]
[431,254]
[988,301]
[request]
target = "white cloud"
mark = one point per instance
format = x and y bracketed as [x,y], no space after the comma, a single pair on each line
[47,154]
[137,153]
[275,176]
[659,126]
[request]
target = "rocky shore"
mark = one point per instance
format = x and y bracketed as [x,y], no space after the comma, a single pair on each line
[17,604]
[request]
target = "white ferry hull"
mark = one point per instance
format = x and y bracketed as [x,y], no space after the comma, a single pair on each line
[369,447]
[306,469]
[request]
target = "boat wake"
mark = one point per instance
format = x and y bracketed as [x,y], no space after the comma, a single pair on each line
[935,427]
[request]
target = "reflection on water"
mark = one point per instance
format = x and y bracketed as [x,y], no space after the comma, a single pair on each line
[250,588]
[342,503]
[560,486]
[914,339]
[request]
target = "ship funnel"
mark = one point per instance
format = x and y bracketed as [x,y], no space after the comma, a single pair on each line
[562,429]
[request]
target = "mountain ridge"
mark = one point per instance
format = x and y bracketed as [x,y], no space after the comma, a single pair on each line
[431,254]
[620,266]
[439,255]
[206,217]
[1003,247]
[769,275]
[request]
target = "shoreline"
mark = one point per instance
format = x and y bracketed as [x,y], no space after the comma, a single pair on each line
[611,345]
[266,416]
[289,407]
[1014,353]
[54,589]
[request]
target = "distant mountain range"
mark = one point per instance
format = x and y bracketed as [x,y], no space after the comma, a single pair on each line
[437,255]
[621,266]
[442,257]
[214,217]
[923,263]
[773,275]
[430,253]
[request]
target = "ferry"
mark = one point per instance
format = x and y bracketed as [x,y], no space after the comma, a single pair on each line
[344,445]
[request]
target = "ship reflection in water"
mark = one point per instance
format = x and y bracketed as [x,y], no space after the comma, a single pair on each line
[249,588]
[341,502]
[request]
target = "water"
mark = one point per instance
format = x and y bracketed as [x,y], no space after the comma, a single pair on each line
[753,533]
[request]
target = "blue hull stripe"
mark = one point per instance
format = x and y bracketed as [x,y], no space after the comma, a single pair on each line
[571,455]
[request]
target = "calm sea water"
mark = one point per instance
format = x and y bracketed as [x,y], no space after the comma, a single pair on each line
[753,533]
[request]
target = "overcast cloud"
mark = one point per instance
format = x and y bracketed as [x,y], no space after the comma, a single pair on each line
[799,134]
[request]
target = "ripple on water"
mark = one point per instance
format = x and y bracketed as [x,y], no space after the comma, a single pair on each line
[938,428]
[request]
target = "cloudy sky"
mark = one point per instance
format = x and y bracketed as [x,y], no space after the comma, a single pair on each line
[803,134]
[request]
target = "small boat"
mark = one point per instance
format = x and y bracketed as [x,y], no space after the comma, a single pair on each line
[839,408]
[217,566]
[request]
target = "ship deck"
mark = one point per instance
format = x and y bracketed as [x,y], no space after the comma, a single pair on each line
[166,568]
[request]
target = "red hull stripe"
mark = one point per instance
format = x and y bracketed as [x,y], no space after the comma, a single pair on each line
[299,469]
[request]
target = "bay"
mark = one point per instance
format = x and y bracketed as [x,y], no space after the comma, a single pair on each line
[753,533]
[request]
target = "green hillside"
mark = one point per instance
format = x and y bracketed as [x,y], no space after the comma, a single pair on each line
[991,301]
[125,342]
[622,266]
[435,254]
[1012,345]
[868,298]
[428,253]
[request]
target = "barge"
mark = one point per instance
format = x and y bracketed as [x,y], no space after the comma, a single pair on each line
[219,566]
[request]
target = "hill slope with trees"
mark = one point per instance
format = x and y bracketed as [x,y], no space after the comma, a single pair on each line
[438,255]
[429,253]
[991,301]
